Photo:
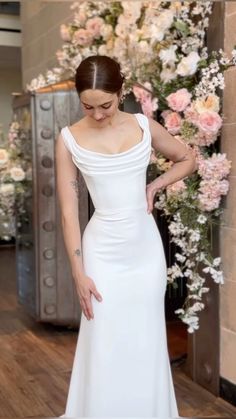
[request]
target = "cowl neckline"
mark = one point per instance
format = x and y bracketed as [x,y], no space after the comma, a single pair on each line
[130,149]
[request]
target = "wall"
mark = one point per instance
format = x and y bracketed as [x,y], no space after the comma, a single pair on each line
[41,22]
[10,65]
[228,226]
[10,82]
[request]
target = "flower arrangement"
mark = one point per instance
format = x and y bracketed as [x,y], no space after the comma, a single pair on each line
[161,48]
[15,180]
[192,205]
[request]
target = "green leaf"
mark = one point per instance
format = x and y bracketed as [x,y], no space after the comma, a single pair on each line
[182,27]
[174,285]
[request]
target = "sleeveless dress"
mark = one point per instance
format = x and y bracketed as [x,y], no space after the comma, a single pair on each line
[121,366]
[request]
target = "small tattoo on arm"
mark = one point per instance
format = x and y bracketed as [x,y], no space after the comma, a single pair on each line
[77,252]
[75,186]
[184,158]
[162,177]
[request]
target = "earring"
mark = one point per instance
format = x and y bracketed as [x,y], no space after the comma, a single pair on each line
[122,97]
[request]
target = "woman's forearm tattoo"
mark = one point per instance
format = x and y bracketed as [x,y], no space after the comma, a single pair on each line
[77,252]
[75,186]
[183,158]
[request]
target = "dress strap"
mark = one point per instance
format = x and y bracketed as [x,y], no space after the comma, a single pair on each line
[65,133]
[143,119]
[144,123]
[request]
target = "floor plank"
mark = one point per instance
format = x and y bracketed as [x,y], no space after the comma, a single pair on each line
[36,361]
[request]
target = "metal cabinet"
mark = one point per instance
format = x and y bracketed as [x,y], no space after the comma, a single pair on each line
[44,281]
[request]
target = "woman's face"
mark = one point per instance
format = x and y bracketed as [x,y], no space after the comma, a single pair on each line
[99,105]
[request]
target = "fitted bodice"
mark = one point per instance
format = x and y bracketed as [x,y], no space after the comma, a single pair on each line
[115,181]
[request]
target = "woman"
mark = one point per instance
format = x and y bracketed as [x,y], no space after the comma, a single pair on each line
[121,365]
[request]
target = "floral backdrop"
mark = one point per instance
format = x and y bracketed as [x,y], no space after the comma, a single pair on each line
[15,176]
[161,48]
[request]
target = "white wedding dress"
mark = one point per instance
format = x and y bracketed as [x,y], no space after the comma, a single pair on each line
[121,365]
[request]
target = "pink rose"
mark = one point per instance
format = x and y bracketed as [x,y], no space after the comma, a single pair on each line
[147,107]
[179,100]
[83,37]
[94,25]
[148,104]
[141,94]
[209,122]
[191,115]
[165,113]
[173,122]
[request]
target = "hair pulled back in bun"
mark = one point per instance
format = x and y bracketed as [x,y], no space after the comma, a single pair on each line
[99,72]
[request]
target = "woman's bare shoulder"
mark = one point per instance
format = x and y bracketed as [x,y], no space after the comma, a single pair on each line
[78,124]
[127,118]
[128,115]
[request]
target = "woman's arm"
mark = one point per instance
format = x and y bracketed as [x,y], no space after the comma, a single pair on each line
[67,188]
[177,151]
[68,199]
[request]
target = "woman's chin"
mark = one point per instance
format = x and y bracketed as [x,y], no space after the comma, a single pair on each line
[102,121]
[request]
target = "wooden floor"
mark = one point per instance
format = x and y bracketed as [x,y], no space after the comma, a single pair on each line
[36,361]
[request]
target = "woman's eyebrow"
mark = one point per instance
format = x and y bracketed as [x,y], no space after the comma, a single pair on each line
[106,103]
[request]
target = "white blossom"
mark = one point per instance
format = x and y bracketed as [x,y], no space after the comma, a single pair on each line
[174,272]
[180,258]
[234,56]
[188,65]
[201,219]
[194,235]
[168,55]
[167,74]
[217,261]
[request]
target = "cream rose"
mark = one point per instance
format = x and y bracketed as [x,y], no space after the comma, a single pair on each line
[121,30]
[131,13]
[165,19]
[65,33]
[81,17]
[210,103]
[102,50]
[157,31]
[17,174]
[106,31]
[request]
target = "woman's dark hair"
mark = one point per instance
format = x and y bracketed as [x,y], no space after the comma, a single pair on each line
[99,72]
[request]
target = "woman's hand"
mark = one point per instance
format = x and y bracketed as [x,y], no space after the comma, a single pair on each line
[151,190]
[85,288]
